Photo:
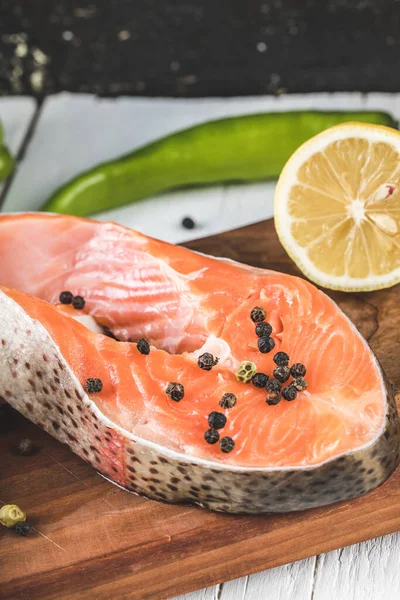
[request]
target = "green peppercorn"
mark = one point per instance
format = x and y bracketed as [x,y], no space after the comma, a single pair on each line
[281,359]
[246,371]
[263,328]
[298,370]
[259,380]
[300,384]
[10,515]
[211,436]
[227,444]
[257,314]
[228,400]
[289,392]
[265,344]
[282,374]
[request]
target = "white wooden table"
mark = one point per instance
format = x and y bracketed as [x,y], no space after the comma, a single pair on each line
[69,133]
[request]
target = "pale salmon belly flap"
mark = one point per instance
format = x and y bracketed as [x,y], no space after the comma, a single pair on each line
[337,439]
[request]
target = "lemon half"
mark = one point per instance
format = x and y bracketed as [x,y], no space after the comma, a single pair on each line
[337,207]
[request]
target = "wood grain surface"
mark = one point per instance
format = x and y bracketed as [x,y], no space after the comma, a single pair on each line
[94,541]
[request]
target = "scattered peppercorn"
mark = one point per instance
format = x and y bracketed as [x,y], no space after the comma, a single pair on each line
[273,398]
[216,420]
[93,385]
[23,528]
[258,314]
[227,444]
[246,371]
[11,514]
[289,392]
[66,297]
[25,447]
[228,400]
[211,436]
[78,302]
[298,370]
[273,387]
[206,361]
[263,328]
[265,344]
[281,359]
[300,384]
[143,346]
[282,373]
[175,391]
[259,380]
[188,223]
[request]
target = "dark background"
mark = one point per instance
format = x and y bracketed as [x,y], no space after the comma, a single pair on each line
[199,47]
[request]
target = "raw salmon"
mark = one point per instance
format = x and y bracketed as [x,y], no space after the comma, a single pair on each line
[337,439]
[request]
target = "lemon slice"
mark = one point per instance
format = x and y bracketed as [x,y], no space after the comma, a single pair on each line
[337,207]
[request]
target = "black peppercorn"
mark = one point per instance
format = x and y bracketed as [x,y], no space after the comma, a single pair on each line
[216,420]
[300,384]
[206,361]
[273,385]
[188,223]
[228,400]
[227,444]
[175,391]
[211,436]
[78,302]
[23,528]
[265,344]
[93,385]
[273,398]
[259,380]
[143,346]
[25,447]
[298,370]
[257,314]
[282,373]
[289,392]
[263,328]
[66,297]
[281,359]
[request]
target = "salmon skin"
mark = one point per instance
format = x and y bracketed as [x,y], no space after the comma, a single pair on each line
[338,439]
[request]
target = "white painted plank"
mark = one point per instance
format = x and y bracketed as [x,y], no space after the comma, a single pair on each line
[16,115]
[368,571]
[291,582]
[75,132]
[210,593]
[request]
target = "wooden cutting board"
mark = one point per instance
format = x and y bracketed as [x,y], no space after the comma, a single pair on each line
[95,541]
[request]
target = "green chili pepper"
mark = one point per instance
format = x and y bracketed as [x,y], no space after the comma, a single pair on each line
[238,149]
[6,163]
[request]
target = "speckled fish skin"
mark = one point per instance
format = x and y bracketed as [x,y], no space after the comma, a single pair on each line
[337,440]
[36,380]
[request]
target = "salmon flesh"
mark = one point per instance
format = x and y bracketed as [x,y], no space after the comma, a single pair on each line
[338,439]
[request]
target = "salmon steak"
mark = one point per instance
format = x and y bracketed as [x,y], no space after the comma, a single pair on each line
[188,378]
